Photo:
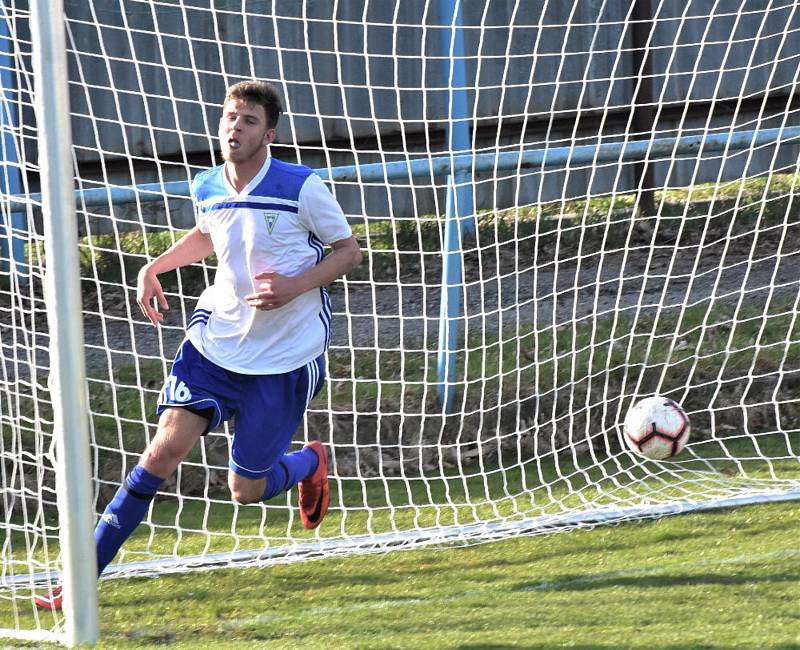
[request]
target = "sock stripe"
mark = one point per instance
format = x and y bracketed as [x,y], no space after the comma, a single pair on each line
[285,469]
[135,493]
[287,472]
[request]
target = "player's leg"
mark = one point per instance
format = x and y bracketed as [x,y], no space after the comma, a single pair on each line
[178,431]
[245,490]
[289,470]
[193,401]
[306,468]
[266,422]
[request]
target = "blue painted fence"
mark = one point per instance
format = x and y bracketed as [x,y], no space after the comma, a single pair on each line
[13,225]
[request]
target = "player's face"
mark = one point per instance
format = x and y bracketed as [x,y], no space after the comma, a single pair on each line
[243,132]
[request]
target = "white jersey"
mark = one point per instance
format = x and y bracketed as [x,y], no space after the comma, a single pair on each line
[278,223]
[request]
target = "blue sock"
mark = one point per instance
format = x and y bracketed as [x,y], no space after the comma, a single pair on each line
[289,470]
[124,513]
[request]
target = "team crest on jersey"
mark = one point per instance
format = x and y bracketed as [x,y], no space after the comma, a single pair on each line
[271,219]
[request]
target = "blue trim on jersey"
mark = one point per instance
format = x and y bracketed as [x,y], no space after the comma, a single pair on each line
[317,245]
[209,184]
[313,379]
[196,321]
[199,316]
[224,205]
[282,181]
[325,314]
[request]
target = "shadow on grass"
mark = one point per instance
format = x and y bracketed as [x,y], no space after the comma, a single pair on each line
[616,646]
[577,582]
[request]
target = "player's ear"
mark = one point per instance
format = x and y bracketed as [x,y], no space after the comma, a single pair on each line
[269,136]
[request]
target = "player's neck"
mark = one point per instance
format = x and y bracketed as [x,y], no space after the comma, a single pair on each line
[239,174]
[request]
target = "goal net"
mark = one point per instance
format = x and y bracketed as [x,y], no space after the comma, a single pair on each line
[564,207]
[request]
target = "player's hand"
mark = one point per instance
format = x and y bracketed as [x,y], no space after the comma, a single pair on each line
[147,288]
[273,290]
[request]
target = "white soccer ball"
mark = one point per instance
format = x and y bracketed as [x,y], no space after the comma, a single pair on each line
[656,428]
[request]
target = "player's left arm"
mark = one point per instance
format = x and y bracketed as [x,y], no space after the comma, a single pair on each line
[276,290]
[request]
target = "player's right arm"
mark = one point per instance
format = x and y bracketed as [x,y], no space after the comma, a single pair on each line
[192,247]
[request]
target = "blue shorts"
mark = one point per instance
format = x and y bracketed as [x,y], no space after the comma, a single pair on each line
[268,408]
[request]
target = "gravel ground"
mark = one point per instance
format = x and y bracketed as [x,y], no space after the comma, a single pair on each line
[405,315]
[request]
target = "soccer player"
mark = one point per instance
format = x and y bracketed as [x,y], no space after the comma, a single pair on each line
[254,347]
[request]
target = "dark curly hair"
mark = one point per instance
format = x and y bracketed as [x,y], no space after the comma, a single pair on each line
[258,92]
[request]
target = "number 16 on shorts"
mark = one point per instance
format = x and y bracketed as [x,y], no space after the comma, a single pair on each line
[174,391]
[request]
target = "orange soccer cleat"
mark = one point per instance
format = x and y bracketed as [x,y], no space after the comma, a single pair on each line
[52,601]
[314,494]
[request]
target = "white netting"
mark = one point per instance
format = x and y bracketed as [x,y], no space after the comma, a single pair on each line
[595,270]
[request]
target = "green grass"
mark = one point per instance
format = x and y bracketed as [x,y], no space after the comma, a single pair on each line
[543,486]
[546,485]
[723,579]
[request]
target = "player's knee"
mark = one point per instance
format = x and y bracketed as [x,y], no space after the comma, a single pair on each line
[244,496]
[245,492]
[161,460]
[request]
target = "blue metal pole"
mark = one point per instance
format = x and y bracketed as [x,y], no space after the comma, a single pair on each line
[536,159]
[459,206]
[459,139]
[6,85]
[10,177]
[450,309]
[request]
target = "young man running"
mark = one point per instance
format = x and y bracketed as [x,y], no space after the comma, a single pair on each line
[255,344]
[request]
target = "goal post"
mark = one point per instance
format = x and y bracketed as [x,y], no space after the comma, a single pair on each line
[477,376]
[67,375]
